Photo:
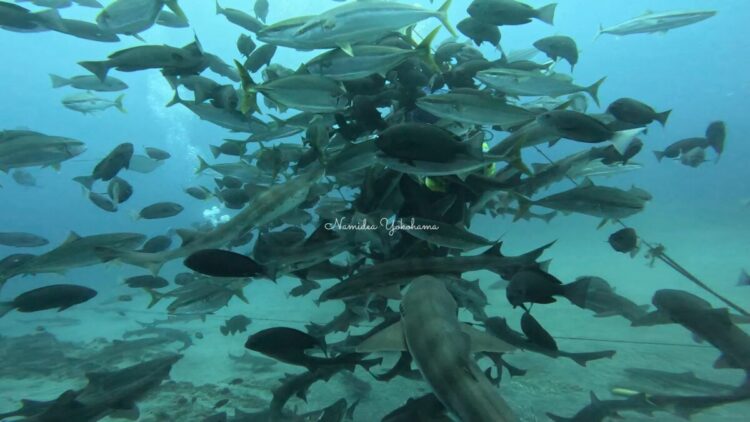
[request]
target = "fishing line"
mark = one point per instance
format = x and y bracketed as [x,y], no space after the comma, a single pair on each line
[303,322]
[657,251]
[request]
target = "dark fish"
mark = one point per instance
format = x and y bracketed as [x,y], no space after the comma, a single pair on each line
[146,282]
[102,202]
[536,286]
[157,244]
[479,31]
[115,161]
[536,333]
[425,408]
[229,182]
[559,46]
[220,403]
[198,192]
[261,9]
[635,112]
[157,154]
[229,147]
[235,324]
[240,18]
[119,190]
[260,57]
[424,142]
[221,263]
[282,343]
[24,178]
[22,240]
[581,127]
[160,210]
[245,45]
[716,133]
[681,147]
[624,240]
[61,296]
[509,12]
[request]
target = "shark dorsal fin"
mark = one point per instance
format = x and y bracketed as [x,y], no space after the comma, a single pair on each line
[72,237]
[494,250]
[390,339]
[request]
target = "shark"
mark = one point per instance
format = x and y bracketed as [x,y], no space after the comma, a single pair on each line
[442,349]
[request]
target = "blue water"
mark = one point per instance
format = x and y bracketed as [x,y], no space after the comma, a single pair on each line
[700,72]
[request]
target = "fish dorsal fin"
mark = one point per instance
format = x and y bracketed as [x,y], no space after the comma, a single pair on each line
[72,237]
[483,342]
[390,339]
[594,399]
[186,235]
[494,250]
[586,183]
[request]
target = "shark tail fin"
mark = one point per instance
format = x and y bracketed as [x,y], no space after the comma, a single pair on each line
[583,358]
[659,155]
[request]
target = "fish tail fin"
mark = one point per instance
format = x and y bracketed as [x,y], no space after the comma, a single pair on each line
[172,4]
[424,49]
[175,99]
[659,155]
[249,93]
[549,216]
[100,69]
[58,81]
[216,151]
[443,16]
[577,291]
[219,9]
[86,181]
[583,358]
[662,117]
[546,13]
[593,90]
[155,297]
[202,165]
[118,103]
[52,19]
[6,307]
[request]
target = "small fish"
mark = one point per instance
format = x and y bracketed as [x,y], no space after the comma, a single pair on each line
[119,190]
[116,160]
[146,282]
[102,202]
[89,83]
[559,46]
[24,178]
[87,102]
[235,324]
[625,241]
[160,210]
[510,12]
[261,9]
[157,244]
[245,45]
[22,240]
[221,263]
[537,286]
[198,192]
[157,154]
[633,111]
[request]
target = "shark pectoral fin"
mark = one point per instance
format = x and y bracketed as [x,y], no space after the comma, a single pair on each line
[126,410]
[725,362]
[483,342]
[390,339]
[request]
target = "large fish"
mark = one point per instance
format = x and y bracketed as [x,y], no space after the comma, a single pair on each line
[20,149]
[133,16]
[651,22]
[442,349]
[534,83]
[348,24]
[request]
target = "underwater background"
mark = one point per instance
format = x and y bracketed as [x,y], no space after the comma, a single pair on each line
[699,214]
